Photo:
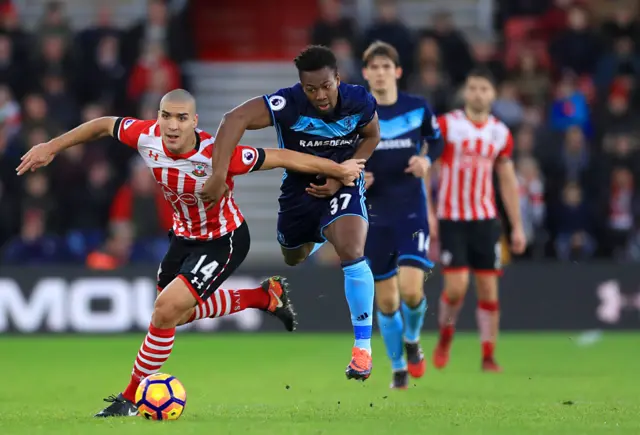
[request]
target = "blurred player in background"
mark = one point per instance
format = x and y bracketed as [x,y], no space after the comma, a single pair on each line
[324,117]
[468,227]
[207,243]
[398,239]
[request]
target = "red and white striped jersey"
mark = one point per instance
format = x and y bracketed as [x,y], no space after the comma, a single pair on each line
[465,190]
[182,176]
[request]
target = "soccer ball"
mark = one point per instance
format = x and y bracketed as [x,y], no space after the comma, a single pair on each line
[161,397]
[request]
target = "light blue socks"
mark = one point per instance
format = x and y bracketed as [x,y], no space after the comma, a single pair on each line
[359,290]
[413,319]
[391,326]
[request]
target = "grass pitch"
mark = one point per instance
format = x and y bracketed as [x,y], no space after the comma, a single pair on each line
[295,384]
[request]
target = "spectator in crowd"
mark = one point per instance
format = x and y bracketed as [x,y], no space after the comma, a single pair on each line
[428,52]
[574,225]
[507,107]
[485,55]
[456,54]
[159,27]
[615,116]
[54,55]
[531,79]
[623,60]
[390,29]
[38,197]
[570,163]
[525,142]
[332,25]
[348,67]
[13,73]
[90,38]
[36,116]
[54,23]
[116,251]
[20,40]
[570,107]
[9,112]
[619,150]
[153,71]
[622,207]
[555,19]
[34,246]
[56,94]
[432,84]
[623,24]
[105,75]
[576,49]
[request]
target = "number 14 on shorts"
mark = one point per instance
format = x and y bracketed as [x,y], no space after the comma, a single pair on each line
[206,271]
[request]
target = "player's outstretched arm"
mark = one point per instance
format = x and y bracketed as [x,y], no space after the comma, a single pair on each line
[251,115]
[347,172]
[42,154]
[370,137]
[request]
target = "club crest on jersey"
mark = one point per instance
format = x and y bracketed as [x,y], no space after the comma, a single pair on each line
[349,123]
[199,170]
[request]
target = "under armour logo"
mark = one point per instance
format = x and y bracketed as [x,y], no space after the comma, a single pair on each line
[197,283]
[613,302]
[153,155]
[362,317]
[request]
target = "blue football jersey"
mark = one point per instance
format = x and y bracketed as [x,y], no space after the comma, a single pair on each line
[300,127]
[404,128]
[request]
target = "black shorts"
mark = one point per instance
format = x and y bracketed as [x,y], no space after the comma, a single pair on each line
[204,266]
[470,244]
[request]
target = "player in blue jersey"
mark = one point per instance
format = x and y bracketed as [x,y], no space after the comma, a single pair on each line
[323,117]
[398,238]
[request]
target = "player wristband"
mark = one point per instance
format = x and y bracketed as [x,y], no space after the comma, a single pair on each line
[428,159]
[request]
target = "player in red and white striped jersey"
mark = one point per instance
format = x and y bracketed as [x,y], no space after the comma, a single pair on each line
[466,220]
[209,241]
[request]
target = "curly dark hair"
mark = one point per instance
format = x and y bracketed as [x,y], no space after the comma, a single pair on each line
[316,57]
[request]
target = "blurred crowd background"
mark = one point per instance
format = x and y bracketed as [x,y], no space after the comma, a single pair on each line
[567,75]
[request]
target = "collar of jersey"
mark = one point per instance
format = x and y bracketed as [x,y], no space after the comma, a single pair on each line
[186,155]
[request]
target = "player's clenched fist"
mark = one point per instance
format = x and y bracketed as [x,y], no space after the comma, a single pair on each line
[352,169]
[37,157]
[418,166]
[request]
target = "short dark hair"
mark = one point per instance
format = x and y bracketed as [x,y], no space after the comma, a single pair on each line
[483,73]
[316,57]
[379,48]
